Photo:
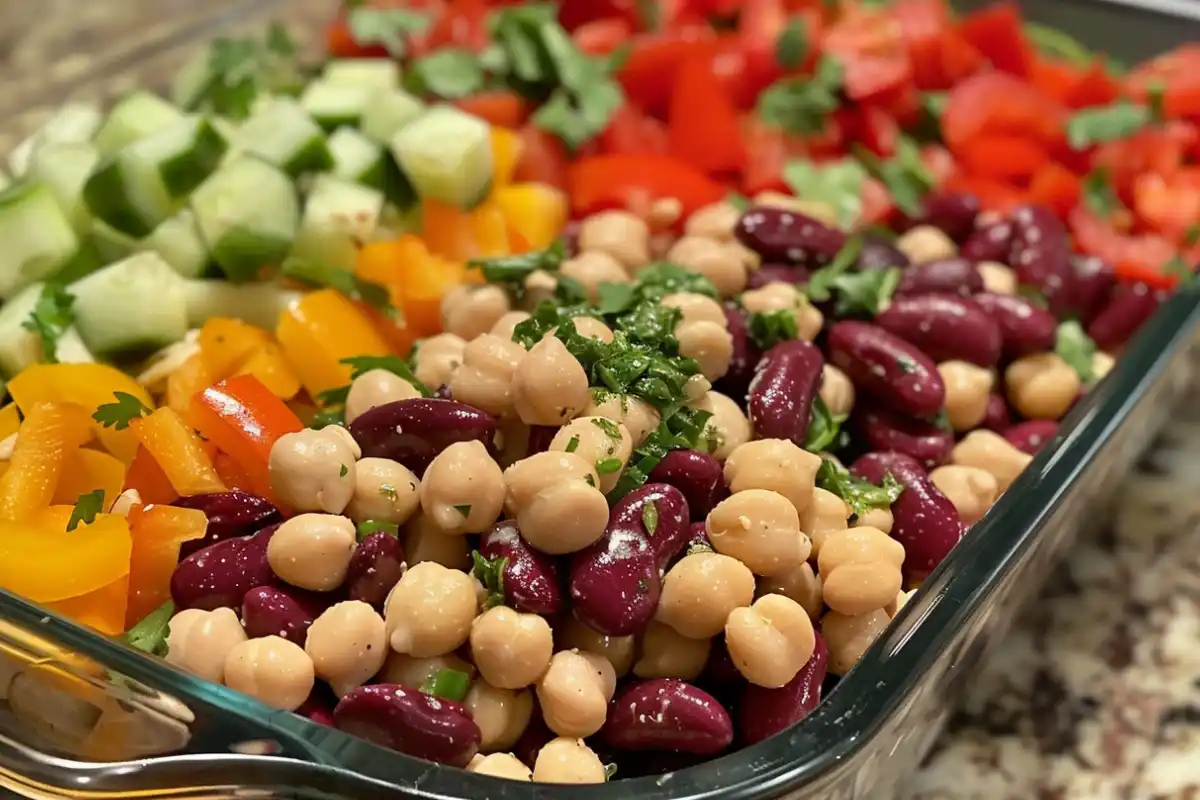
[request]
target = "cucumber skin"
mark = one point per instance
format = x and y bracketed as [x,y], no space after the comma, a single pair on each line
[242,254]
[107,200]
[396,187]
[182,174]
[313,157]
[129,306]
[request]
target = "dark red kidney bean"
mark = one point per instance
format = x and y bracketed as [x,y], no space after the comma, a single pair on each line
[1041,251]
[782,392]
[570,237]
[878,253]
[1031,436]
[746,355]
[616,582]
[1091,285]
[698,536]
[887,367]
[375,568]
[414,431]
[945,327]
[997,417]
[924,520]
[220,575]
[410,722]
[698,475]
[719,670]
[952,212]
[319,706]
[880,428]
[781,273]
[540,437]
[990,243]
[766,712]
[533,738]
[1129,306]
[1024,327]
[230,514]
[532,580]
[948,275]
[274,611]
[788,237]
[667,714]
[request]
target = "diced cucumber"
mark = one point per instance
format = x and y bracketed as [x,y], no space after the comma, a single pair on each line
[72,122]
[20,347]
[37,238]
[21,155]
[64,167]
[338,216]
[257,303]
[394,223]
[136,304]
[193,80]
[87,259]
[248,214]
[137,115]
[111,244]
[388,112]
[356,158]
[178,241]
[447,155]
[281,132]
[372,73]
[334,105]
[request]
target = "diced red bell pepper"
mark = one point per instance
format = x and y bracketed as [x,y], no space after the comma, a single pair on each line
[997,32]
[870,46]
[1055,186]
[1161,150]
[877,205]
[632,132]
[464,24]
[648,75]
[634,182]
[543,158]
[940,163]
[703,127]
[1134,257]
[996,103]
[1003,157]
[1177,73]
[340,42]
[501,108]
[1168,204]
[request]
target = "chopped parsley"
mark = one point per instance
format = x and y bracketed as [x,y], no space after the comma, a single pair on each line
[490,574]
[449,684]
[683,429]
[1092,126]
[738,200]
[1098,194]
[867,292]
[608,426]
[388,491]
[837,184]
[1058,45]
[150,633]
[512,271]
[52,315]
[386,27]
[650,517]
[803,104]
[825,428]
[1074,346]
[607,466]
[465,510]
[360,365]
[860,495]
[905,175]
[573,444]
[769,328]
[240,70]
[792,46]
[370,526]
[86,508]
[120,414]
[451,74]
[824,281]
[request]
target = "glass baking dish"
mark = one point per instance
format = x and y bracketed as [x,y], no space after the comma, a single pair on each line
[83,716]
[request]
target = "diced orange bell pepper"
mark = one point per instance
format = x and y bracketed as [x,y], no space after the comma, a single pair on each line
[506,152]
[233,474]
[157,534]
[86,385]
[10,420]
[103,609]
[42,561]
[50,435]
[147,478]
[179,451]
[416,278]
[87,470]
[270,366]
[191,377]
[226,344]
[318,332]
[393,328]
[461,235]
[536,211]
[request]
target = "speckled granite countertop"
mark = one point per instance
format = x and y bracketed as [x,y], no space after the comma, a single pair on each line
[1095,695]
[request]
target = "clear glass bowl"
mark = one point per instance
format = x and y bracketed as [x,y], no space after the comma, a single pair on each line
[82,714]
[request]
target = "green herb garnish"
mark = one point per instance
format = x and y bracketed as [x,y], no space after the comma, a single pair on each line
[121,414]
[572,444]
[360,365]
[512,271]
[837,184]
[825,428]
[801,104]
[370,526]
[769,328]
[905,175]
[1093,126]
[451,74]
[341,280]
[86,508]
[386,27]
[823,282]
[344,471]
[607,466]
[490,573]
[860,495]
[1074,346]
[449,684]
[464,509]
[150,633]
[52,315]
[792,46]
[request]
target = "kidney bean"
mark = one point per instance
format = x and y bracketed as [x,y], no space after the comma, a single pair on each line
[997,417]
[719,670]
[782,392]
[953,212]
[532,580]
[948,275]
[410,722]
[616,582]
[878,253]
[887,367]
[667,714]
[1032,435]
[375,568]
[698,475]
[1024,327]
[230,514]
[788,237]
[883,429]
[924,519]
[540,437]
[1091,285]
[945,327]
[746,355]
[273,611]
[1129,306]
[220,575]
[766,712]
[990,243]
[534,737]
[319,706]
[570,237]
[1041,251]
[771,273]
[698,536]
[414,431]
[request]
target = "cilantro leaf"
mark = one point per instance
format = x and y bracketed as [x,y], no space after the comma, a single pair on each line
[512,271]
[394,364]
[120,414]
[150,633]
[1098,193]
[655,281]
[905,175]
[334,415]
[838,184]
[370,526]
[86,508]
[490,573]
[866,292]
[451,73]
[240,70]
[803,104]
[341,280]
[792,45]
[52,315]
[387,27]
[576,119]
[769,328]
[1074,346]
[683,428]
[825,428]
[615,298]
[821,283]
[1092,126]
[860,495]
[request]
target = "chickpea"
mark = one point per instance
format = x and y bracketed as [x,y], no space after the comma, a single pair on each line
[777,465]
[500,765]
[198,641]
[624,236]
[592,328]
[501,714]
[463,489]
[347,645]
[770,641]
[991,452]
[506,325]
[550,386]
[315,470]
[696,307]
[512,441]
[619,650]
[376,387]
[723,264]
[567,760]
[430,611]
[524,479]
[437,358]
[728,427]
[972,490]
[826,513]
[484,379]
[384,490]
[564,518]
[634,413]
[761,529]
[849,637]
[425,542]
[695,388]
[539,285]
[880,518]
[714,221]
[599,441]
[860,588]
[469,311]
[271,669]
[312,551]
[802,585]
[858,546]
[667,654]
[780,296]
[997,278]
[414,672]
[709,343]
[512,650]
[664,212]
[837,391]
[575,691]
[925,243]
[1102,364]
[701,590]
[592,268]
[1042,386]
[967,390]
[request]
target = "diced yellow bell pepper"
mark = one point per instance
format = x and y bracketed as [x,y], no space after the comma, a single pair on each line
[191,378]
[536,211]
[103,609]
[157,532]
[87,470]
[226,344]
[461,235]
[49,436]
[270,366]
[179,451]
[319,331]
[42,561]
[10,420]
[506,152]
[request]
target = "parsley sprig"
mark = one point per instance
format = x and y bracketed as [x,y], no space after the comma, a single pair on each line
[490,573]
[684,428]
[803,104]
[239,70]
[511,272]
[52,315]
[86,508]
[150,633]
[860,495]
[118,415]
